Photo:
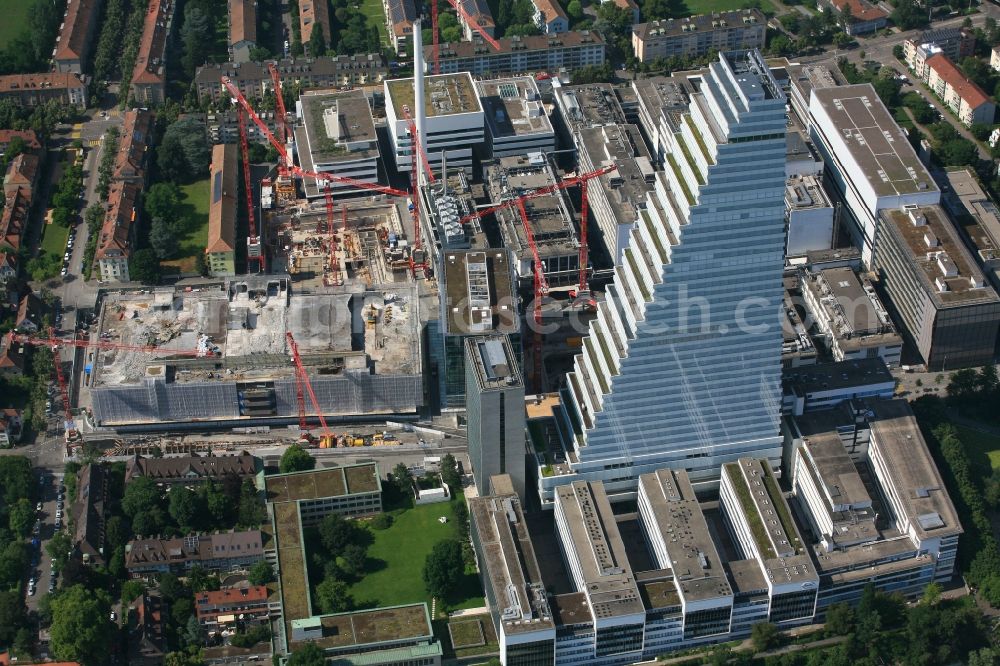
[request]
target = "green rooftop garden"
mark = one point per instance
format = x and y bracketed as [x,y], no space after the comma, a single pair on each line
[680,179]
[750,511]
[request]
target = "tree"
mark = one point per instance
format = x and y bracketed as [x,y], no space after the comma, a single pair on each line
[332,596]
[932,594]
[189,657]
[251,510]
[958,152]
[186,508]
[141,495]
[21,517]
[13,615]
[296,459]
[163,238]
[58,548]
[308,655]
[443,568]
[317,42]
[354,557]
[764,636]
[382,521]
[200,264]
[897,52]
[162,200]
[449,472]
[981,130]
[144,266]
[336,532]
[170,159]
[574,10]
[171,587]
[839,619]
[194,634]
[196,36]
[261,573]
[185,152]
[80,628]
[401,475]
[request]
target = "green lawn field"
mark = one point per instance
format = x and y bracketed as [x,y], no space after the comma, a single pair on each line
[396,561]
[372,9]
[15,16]
[54,239]
[194,211]
[980,446]
[708,6]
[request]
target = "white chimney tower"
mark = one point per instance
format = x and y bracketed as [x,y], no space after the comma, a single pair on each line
[418,95]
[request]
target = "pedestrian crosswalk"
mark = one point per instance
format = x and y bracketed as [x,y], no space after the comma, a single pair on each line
[77,131]
[94,143]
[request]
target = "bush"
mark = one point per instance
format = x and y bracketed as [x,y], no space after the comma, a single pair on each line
[382,521]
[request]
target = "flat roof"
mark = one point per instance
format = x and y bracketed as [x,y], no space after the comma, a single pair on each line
[510,566]
[338,126]
[607,575]
[856,314]
[513,107]
[927,232]
[837,375]
[479,297]
[887,160]
[694,560]
[662,94]
[444,95]
[494,362]
[321,483]
[916,478]
[981,222]
[783,558]
[627,186]
[590,105]
[550,217]
[368,627]
[804,193]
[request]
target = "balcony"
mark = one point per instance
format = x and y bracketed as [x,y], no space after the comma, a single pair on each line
[698,139]
[680,179]
[690,160]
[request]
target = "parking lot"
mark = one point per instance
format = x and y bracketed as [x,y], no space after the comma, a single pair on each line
[50,517]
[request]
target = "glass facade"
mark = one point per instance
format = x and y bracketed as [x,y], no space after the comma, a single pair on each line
[619,640]
[539,653]
[793,605]
[689,370]
[707,622]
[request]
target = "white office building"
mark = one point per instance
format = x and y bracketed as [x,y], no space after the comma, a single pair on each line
[868,158]
[454,120]
[681,367]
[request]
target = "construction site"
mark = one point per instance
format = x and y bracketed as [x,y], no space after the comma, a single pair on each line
[223,354]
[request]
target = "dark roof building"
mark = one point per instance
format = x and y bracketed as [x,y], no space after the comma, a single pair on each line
[89,513]
[213,552]
[185,469]
[147,640]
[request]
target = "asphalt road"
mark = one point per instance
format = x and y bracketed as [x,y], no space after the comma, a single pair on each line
[43,571]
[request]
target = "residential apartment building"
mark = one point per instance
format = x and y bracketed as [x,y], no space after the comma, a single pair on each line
[516,121]
[869,163]
[653,388]
[134,142]
[313,15]
[850,317]
[962,96]
[149,77]
[192,469]
[337,135]
[696,36]
[14,220]
[117,236]
[254,80]
[76,35]
[22,175]
[549,17]
[34,89]
[215,608]
[222,552]
[220,250]
[956,43]
[399,17]
[349,490]
[534,53]
[494,398]
[938,294]
[454,122]
[242,29]
[864,16]
[147,630]
[479,11]
[89,510]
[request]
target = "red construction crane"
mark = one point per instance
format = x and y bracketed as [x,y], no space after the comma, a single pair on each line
[69,425]
[584,212]
[255,254]
[541,289]
[540,192]
[435,37]
[103,344]
[279,102]
[418,144]
[327,439]
[283,153]
[332,242]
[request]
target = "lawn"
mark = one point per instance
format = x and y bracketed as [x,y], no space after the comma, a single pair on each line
[708,6]
[194,237]
[15,17]
[980,446]
[54,239]
[372,9]
[396,560]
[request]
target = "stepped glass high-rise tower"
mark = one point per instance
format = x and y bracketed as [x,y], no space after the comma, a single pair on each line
[682,366]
